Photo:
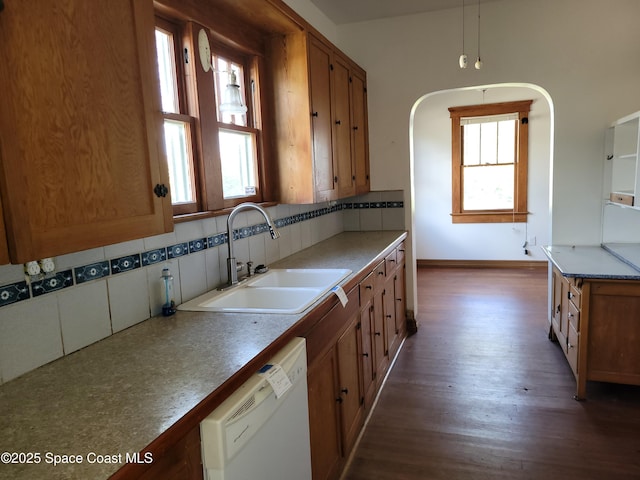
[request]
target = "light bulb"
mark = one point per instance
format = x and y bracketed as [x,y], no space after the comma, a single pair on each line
[478,64]
[463,61]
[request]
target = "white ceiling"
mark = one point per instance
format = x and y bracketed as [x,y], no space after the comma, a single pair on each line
[350,11]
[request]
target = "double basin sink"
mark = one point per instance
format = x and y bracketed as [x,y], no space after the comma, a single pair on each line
[284,291]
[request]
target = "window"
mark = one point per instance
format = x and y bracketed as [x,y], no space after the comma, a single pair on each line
[238,156]
[489,162]
[213,150]
[178,127]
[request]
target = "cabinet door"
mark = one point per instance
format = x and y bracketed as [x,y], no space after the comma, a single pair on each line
[389,306]
[368,372]
[182,460]
[4,249]
[320,79]
[351,398]
[342,127]
[360,132]
[380,353]
[322,384]
[400,297]
[80,126]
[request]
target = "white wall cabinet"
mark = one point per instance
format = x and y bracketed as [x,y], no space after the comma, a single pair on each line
[621,171]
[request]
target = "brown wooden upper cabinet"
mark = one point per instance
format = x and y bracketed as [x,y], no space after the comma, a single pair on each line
[81,142]
[320,110]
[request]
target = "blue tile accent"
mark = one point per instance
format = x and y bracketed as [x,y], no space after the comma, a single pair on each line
[154,256]
[216,240]
[91,272]
[178,250]
[125,264]
[54,283]
[197,245]
[13,293]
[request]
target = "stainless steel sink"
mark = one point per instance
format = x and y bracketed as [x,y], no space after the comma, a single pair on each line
[286,291]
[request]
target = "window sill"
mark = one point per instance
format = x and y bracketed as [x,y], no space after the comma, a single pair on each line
[188,217]
[489,217]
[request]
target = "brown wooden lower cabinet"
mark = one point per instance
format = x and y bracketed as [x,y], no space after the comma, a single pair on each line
[334,385]
[597,323]
[182,461]
[349,352]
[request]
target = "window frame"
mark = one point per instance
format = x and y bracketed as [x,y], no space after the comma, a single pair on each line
[197,96]
[183,116]
[517,214]
[251,76]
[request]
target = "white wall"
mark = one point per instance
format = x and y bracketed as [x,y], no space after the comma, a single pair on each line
[582,52]
[436,236]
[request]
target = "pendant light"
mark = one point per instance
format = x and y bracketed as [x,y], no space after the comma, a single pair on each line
[462,61]
[478,63]
[231,98]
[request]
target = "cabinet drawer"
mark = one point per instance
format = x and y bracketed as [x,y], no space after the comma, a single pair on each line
[390,262]
[622,198]
[380,276]
[574,316]
[366,288]
[573,340]
[400,254]
[575,295]
[325,332]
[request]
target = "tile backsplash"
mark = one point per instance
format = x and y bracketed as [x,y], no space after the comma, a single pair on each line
[98,292]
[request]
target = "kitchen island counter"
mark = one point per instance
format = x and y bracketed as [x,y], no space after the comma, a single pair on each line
[593,261]
[158,379]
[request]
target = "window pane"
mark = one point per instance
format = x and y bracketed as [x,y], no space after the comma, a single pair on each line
[488,187]
[167,71]
[238,164]
[471,147]
[506,141]
[488,143]
[177,140]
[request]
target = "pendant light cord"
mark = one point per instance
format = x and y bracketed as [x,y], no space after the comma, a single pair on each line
[478,29]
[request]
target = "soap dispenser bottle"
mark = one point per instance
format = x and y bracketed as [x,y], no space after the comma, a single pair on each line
[169,305]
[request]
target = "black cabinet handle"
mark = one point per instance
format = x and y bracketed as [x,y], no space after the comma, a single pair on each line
[314,114]
[345,391]
[160,190]
[338,122]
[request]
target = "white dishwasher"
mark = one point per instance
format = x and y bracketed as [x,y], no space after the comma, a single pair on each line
[258,435]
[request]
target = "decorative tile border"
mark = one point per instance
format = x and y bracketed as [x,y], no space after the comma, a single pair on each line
[13,293]
[19,291]
[91,272]
[54,283]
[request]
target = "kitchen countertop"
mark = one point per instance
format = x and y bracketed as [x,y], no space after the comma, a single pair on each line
[118,395]
[593,261]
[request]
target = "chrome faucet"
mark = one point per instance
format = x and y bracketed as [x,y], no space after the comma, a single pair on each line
[232,264]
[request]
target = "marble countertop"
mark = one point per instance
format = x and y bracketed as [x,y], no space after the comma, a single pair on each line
[118,395]
[593,261]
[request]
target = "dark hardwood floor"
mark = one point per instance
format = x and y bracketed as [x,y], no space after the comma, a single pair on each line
[481,393]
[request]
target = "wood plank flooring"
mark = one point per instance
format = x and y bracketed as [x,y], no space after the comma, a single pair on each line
[481,393]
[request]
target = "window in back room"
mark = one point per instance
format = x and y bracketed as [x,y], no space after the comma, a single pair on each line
[489,162]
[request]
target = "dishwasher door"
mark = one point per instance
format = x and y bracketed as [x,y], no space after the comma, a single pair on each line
[256,435]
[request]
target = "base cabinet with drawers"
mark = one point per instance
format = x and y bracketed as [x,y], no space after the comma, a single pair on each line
[597,324]
[349,352]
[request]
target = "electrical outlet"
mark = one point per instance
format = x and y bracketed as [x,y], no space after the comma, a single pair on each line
[532,241]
